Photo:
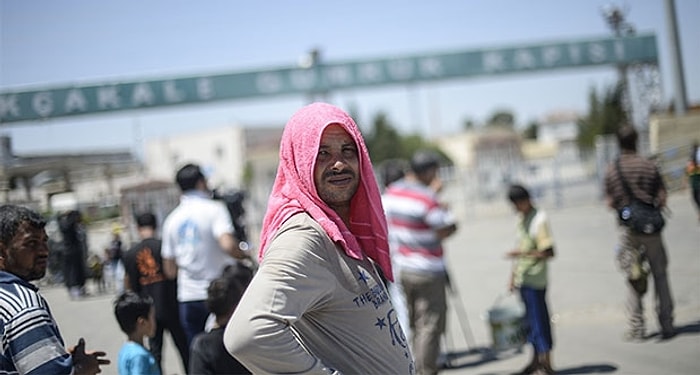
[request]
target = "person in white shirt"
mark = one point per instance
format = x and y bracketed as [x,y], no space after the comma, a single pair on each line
[198,242]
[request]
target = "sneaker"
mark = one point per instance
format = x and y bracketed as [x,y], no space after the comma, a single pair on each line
[631,336]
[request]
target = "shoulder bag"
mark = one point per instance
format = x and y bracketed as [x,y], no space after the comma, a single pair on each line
[639,216]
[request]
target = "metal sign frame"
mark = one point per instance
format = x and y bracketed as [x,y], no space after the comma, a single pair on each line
[55,102]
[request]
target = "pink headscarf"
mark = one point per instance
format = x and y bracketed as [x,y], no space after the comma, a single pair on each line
[294,189]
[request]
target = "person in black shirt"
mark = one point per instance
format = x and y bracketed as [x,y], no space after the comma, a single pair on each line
[208,354]
[143,268]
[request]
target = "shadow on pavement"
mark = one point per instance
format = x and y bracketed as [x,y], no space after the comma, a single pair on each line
[474,357]
[586,369]
[688,329]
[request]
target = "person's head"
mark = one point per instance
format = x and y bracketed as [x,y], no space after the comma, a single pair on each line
[135,313]
[190,177]
[226,291]
[424,165]
[627,138]
[336,170]
[520,198]
[146,224]
[393,170]
[325,170]
[24,249]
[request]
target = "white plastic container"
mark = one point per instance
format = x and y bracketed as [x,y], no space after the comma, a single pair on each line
[506,320]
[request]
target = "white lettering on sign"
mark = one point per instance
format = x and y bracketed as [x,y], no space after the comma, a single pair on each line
[108,97]
[369,72]
[42,103]
[551,55]
[493,61]
[524,59]
[596,52]
[430,67]
[303,79]
[401,69]
[8,104]
[142,94]
[205,89]
[75,101]
[172,93]
[575,53]
[268,82]
[338,75]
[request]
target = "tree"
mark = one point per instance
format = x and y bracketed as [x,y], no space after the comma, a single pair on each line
[502,118]
[531,130]
[383,142]
[604,116]
[468,124]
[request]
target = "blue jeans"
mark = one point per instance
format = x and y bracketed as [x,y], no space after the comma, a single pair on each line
[537,318]
[194,316]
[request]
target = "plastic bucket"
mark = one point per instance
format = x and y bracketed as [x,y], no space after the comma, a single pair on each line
[507,326]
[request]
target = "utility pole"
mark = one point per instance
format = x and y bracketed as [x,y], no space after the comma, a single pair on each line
[680,103]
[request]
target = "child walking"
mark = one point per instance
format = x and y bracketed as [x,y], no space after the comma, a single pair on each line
[137,318]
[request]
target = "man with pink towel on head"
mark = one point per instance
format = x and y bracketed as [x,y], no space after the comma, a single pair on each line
[317,304]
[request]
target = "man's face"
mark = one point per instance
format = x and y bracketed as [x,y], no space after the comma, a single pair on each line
[27,254]
[336,173]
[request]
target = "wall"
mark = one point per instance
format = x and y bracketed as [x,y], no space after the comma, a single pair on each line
[670,140]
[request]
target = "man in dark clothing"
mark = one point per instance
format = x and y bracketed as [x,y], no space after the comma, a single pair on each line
[637,249]
[143,268]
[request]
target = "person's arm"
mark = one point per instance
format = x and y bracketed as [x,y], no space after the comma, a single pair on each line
[127,282]
[170,268]
[542,241]
[442,221]
[167,252]
[23,334]
[445,232]
[291,281]
[538,254]
[662,194]
[231,246]
[223,231]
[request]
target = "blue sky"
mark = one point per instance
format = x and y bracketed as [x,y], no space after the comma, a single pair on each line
[60,43]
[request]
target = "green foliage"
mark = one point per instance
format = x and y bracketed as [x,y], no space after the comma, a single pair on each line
[468,124]
[384,142]
[531,130]
[502,118]
[605,116]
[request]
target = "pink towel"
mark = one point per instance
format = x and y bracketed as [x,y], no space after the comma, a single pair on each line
[294,190]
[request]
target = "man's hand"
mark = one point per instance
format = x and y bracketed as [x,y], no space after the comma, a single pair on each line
[87,363]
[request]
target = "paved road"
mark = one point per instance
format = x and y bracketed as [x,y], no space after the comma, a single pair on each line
[585,298]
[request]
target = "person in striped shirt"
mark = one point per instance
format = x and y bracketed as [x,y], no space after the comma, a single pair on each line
[31,341]
[418,224]
[647,185]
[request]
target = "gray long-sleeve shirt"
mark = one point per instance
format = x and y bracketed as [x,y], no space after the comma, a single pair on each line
[311,309]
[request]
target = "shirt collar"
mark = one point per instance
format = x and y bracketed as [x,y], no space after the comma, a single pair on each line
[10,278]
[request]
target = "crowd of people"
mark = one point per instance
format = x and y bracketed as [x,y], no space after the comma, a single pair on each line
[347,269]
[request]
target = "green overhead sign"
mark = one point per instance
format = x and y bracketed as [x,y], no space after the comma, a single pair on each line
[53,102]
